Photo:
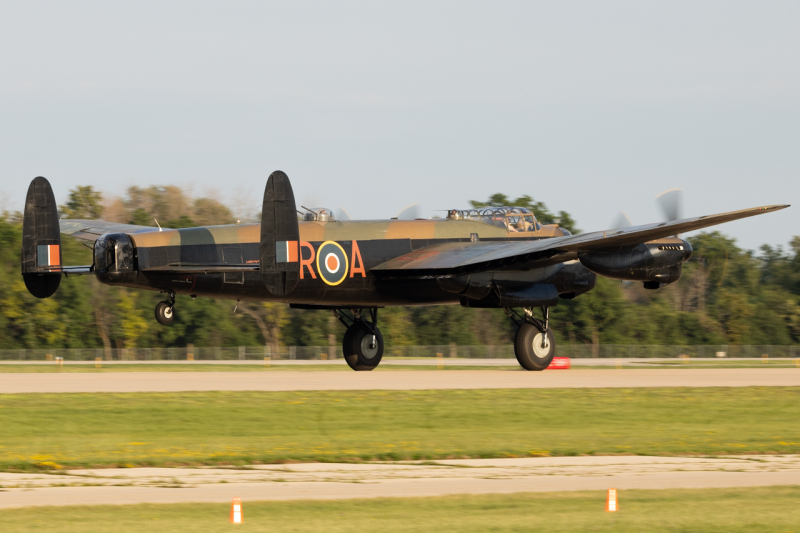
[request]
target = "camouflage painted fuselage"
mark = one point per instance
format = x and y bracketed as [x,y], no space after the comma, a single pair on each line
[365,244]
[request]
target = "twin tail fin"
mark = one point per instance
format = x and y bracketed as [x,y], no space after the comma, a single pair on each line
[41,240]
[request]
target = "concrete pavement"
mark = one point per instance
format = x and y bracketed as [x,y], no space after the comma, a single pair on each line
[395,380]
[343,481]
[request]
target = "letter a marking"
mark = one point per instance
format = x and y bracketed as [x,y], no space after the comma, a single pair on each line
[356,255]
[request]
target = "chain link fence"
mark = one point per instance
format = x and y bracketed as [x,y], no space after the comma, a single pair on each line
[243,353]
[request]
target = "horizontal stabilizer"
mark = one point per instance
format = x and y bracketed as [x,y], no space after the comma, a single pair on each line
[76,270]
[90,230]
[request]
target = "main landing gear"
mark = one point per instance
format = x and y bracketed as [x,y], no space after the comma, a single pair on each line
[534,344]
[165,310]
[363,342]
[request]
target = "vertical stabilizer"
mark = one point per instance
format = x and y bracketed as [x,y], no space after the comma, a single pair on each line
[280,236]
[41,240]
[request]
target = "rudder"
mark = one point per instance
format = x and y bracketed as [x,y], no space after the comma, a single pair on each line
[41,240]
[280,236]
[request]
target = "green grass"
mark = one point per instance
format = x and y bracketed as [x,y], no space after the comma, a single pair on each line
[708,510]
[45,430]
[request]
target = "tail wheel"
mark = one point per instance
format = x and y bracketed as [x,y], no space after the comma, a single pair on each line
[534,349]
[363,346]
[164,313]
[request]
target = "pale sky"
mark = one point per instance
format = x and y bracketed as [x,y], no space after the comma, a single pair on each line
[590,107]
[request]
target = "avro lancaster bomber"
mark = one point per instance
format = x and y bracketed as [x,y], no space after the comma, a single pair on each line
[490,258]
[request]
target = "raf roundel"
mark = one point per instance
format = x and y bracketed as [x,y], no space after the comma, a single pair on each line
[332,263]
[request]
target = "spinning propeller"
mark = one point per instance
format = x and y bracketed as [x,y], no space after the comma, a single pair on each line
[410,212]
[671,202]
[342,214]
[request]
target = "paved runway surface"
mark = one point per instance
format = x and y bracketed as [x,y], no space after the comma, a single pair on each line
[340,481]
[431,361]
[396,380]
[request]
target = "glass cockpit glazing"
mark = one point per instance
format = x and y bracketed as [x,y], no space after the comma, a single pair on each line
[513,219]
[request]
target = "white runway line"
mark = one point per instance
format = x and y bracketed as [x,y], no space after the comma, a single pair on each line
[371,480]
[394,380]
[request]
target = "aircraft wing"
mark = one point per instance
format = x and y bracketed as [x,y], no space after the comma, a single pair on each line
[90,230]
[466,257]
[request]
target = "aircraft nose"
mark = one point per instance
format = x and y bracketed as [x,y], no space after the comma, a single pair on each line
[687,251]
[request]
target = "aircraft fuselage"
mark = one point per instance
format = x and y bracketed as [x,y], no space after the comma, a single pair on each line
[342,280]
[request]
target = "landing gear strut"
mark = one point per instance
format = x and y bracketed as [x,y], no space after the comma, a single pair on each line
[363,342]
[534,344]
[164,310]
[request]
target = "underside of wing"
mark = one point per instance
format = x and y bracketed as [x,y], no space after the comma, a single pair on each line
[90,230]
[467,257]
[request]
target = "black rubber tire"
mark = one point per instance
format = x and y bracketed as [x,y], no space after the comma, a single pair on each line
[164,313]
[528,349]
[356,349]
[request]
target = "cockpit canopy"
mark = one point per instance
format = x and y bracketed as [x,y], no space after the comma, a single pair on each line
[319,214]
[513,219]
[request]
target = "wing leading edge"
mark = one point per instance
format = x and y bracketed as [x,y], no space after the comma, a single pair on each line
[467,257]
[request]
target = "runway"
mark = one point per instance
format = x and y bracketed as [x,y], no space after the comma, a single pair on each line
[394,380]
[315,481]
[642,362]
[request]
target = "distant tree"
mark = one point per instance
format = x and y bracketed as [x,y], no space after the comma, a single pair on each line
[210,212]
[181,222]
[270,317]
[173,209]
[140,217]
[160,202]
[131,325]
[84,202]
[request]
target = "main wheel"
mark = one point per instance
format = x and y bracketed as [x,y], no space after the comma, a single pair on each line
[533,349]
[164,313]
[363,349]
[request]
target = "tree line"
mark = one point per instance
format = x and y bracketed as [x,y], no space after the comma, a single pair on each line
[726,295]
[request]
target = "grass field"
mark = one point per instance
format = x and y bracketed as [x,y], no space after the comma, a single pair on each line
[49,431]
[708,510]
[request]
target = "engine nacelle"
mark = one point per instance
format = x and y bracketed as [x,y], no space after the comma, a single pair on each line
[114,258]
[534,295]
[529,288]
[654,262]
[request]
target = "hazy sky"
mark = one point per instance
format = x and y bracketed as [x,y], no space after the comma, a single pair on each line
[591,107]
